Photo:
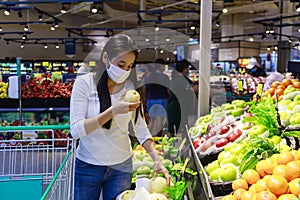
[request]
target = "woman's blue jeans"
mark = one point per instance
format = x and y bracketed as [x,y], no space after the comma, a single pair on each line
[91,179]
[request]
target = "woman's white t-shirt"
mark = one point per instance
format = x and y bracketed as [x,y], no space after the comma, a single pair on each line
[102,146]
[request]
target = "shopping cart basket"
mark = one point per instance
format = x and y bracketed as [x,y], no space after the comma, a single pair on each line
[34,169]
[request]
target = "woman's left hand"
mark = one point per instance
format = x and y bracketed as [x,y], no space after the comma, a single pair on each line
[159,168]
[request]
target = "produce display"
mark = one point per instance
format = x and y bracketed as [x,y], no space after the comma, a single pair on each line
[3,90]
[46,87]
[246,137]
[277,177]
[143,168]
[249,83]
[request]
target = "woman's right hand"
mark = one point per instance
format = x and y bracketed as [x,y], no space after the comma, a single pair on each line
[122,107]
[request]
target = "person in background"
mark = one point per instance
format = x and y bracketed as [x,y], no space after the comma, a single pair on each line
[254,69]
[100,117]
[181,101]
[156,93]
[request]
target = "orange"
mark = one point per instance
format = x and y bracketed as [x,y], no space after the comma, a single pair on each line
[292,170]
[294,186]
[251,176]
[284,157]
[247,195]
[260,185]
[265,195]
[279,170]
[287,197]
[260,168]
[296,154]
[238,193]
[239,183]
[278,185]
[269,165]
[252,189]
[228,197]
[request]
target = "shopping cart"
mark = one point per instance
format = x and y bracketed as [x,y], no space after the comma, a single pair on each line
[33,169]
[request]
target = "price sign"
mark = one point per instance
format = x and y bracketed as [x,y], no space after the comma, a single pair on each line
[38,75]
[92,64]
[240,85]
[259,89]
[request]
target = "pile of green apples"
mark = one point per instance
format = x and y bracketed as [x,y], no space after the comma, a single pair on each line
[289,109]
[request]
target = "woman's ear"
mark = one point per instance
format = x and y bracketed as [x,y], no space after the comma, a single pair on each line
[104,58]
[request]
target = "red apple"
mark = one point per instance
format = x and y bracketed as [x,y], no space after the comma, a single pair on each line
[197,141]
[222,142]
[224,130]
[235,135]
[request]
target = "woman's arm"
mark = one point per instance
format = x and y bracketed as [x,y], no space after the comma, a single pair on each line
[158,166]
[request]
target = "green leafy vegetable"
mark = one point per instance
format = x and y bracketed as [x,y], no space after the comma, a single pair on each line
[176,192]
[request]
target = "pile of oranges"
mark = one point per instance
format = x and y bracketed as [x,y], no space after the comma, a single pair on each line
[279,87]
[276,178]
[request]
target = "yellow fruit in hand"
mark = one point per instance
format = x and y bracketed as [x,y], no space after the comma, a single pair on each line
[132,96]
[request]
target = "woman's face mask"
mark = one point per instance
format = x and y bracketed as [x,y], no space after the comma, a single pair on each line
[116,73]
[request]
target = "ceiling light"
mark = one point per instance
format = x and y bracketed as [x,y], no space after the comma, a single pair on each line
[20,14]
[40,17]
[167,39]
[147,40]
[57,46]
[156,28]
[175,52]
[52,28]
[298,7]
[251,39]
[55,24]
[161,51]
[263,36]
[24,37]
[267,31]
[217,24]
[192,27]
[7,12]
[1,29]
[94,9]
[26,28]
[272,30]
[276,48]
[298,29]
[290,41]
[139,50]
[268,48]
[225,10]
[63,9]
[45,46]
[22,46]
[191,39]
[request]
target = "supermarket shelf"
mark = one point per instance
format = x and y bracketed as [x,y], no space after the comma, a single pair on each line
[23,128]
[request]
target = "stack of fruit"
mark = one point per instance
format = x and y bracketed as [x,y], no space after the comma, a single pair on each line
[3,90]
[277,177]
[289,109]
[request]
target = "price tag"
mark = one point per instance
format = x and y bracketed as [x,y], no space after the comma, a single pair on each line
[92,64]
[38,75]
[259,89]
[240,85]
[56,75]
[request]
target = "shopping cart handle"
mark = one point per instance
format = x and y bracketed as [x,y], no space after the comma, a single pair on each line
[48,127]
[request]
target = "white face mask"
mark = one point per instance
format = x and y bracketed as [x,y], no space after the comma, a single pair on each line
[116,73]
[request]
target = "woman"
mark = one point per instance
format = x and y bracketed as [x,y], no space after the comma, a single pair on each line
[100,117]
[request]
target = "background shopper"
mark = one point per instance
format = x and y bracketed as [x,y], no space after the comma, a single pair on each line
[100,118]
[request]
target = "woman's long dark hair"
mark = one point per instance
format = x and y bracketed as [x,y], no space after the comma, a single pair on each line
[114,47]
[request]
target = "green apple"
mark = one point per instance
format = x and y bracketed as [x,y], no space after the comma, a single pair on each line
[295,119]
[207,118]
[237,112]
[143,170]
[132,96]
[158,185]
[223,155]
[217,109]
[289,89]
[126,195]
[195,130]
[212,166]
[285,118]
[297,98]
[284,102]
[204,128]
[228,172]
[215,175]
[233,159]
[239,103]
[140,155]
[275,139]
[236,148]
[228,107]
[293,104]
[256,130]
